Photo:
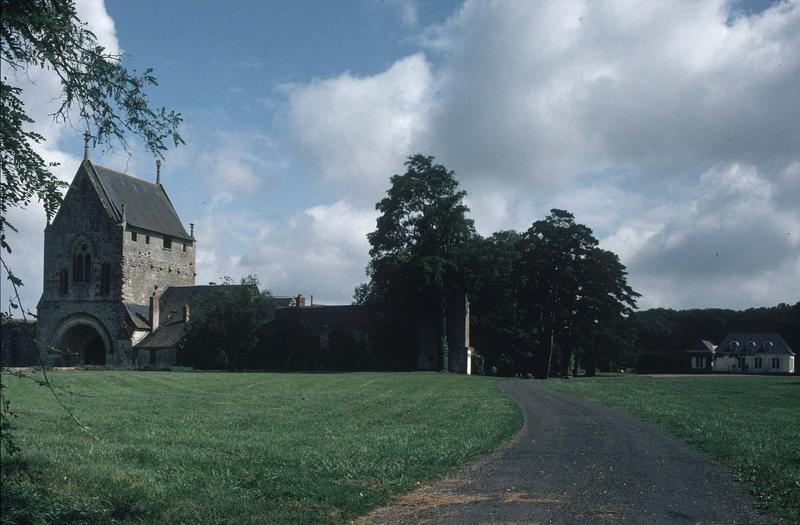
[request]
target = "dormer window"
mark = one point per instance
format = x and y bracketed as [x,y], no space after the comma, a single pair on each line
[751,346]
[768,345]
[734,346]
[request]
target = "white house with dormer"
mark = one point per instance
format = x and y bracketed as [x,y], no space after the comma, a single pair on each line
[754,353]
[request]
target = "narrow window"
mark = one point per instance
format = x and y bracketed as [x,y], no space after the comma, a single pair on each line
[167,242]
[63,281]
[147,239]
[758,362]
[77,268]
[82,265]
[105,278]
[134,237]
[741,363]
[184,247]
[776,362]
[87,268]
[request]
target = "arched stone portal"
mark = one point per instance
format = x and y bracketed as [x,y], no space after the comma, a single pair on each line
[82,341]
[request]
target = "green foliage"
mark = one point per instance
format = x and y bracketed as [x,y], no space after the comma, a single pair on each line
[746,423]
[571,290]
[6,423]
[110,99]
[543,298]
[418,245]
[548,298]
[208,447]
[227,335]
[665,330]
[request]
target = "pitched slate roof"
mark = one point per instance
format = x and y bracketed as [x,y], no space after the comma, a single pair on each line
[138,315]
[702,345]
[199,298]
[164,337]
[754,343]
[147,205]
[170,306]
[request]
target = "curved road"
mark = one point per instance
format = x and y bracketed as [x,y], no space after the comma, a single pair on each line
[578,462]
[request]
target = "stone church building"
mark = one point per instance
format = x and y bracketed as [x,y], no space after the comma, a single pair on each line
[115,245]
[119,287]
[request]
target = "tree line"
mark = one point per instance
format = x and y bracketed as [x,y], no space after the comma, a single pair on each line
[664,330]
[545,301]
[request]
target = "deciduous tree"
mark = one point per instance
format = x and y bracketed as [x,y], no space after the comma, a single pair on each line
[418,244]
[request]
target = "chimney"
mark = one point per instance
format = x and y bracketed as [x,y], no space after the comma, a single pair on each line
[312,300]
[301,301]
[191,230]
[158,171]
[185,312]
[86,137]
[153,312]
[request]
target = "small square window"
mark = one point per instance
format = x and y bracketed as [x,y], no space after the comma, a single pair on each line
[167,242]
[134,236]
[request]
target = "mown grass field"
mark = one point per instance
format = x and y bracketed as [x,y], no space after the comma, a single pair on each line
[750,425]
[195,448]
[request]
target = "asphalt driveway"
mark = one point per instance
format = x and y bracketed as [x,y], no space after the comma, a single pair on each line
[578,462]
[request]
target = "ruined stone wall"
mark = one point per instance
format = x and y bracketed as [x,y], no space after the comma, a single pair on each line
[17,343]
[365,338]
[149,266]
[338,338]
[457,326]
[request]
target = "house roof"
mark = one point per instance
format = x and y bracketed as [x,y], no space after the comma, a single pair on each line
[199,298]
[702,345]
[147,205]
[166,336]
[753,343]
[138,315]
[170,308]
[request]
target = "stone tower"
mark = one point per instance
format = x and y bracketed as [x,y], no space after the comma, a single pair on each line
[114,246]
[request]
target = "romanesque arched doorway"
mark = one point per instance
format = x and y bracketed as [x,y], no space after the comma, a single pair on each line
[82,342]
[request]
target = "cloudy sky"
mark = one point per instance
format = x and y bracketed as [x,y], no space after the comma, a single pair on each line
[671,129]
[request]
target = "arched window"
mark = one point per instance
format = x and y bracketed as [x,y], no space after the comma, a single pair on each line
[82,265]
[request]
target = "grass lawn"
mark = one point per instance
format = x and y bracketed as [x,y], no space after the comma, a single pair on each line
[750,425]
[183,447]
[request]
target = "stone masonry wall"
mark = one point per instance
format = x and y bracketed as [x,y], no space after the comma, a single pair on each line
[110,316]
[81,220]
[148,266]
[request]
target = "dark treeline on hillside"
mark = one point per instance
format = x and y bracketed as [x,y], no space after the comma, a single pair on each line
[662,329]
